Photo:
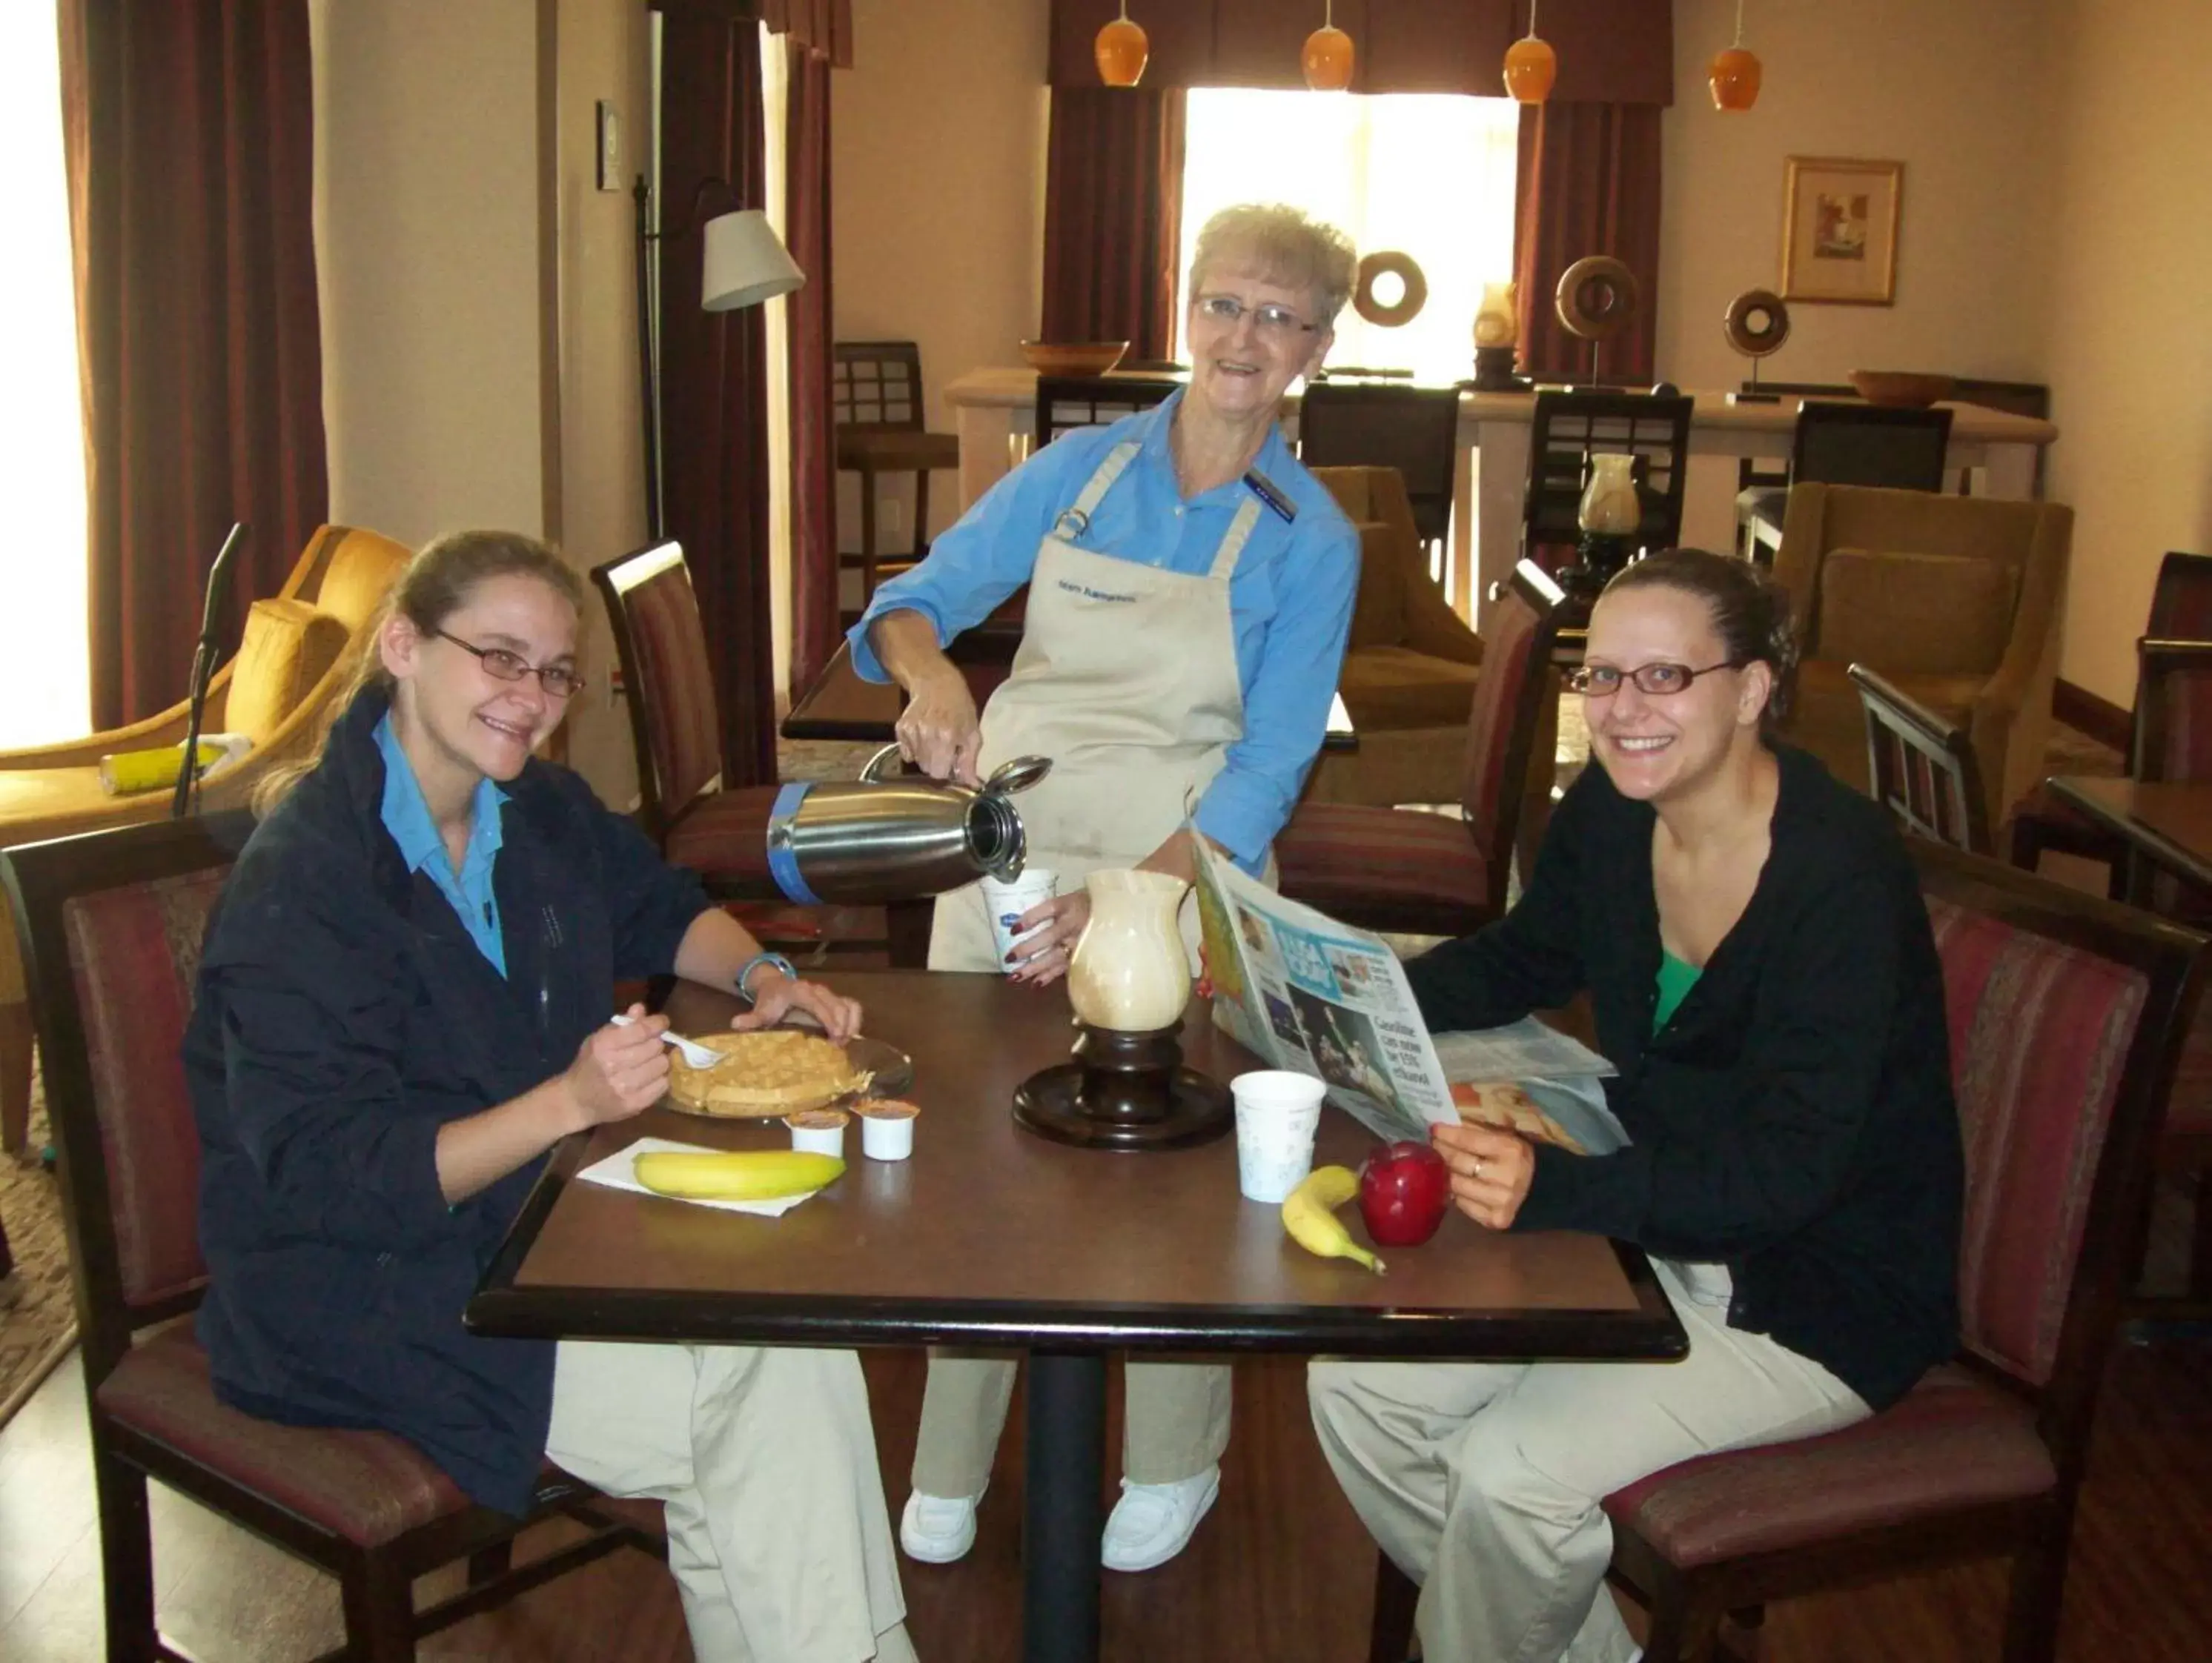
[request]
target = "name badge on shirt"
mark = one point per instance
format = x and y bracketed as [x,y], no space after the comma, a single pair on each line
[1272,494]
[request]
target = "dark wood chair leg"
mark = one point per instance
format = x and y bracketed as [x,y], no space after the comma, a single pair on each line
[1390,1637]
[919,544]
[126,1560]
[488,1564]
[379,1601]
[2200,1254]
[907,924]
[16,1042]
[867,536]
[2038,1587]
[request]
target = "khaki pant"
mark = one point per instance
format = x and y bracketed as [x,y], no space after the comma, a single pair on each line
[1483,1481]
[1174,1420]
[766,1460]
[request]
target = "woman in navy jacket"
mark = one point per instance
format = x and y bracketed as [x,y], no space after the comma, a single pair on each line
[403,1004]
[1758,962]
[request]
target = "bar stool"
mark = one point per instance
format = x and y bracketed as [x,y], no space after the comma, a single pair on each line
[876,388]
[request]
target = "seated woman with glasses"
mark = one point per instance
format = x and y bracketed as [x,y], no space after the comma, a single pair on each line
[1190,590]
[404,1001]
[1759,965]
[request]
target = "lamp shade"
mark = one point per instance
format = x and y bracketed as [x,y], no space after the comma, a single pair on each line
[746,263]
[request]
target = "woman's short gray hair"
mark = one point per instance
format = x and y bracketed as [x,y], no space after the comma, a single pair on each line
[1291,248]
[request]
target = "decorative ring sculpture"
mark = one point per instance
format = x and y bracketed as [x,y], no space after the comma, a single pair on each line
[1751,338]
[1596,297]
[1408,306]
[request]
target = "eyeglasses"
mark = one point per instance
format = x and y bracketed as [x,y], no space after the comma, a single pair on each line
[1269,318]
[1602,680]
[558,680]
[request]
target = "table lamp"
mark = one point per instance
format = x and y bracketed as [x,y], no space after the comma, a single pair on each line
[1497,341]
[742,263]
[1128,982]
[1610,514]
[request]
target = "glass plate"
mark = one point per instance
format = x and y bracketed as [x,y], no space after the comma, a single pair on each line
[891,1068]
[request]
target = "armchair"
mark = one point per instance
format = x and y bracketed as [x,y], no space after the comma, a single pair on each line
[1411,664]
[290,667]
[1956,601]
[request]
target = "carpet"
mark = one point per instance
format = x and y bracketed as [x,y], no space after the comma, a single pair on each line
[38,1314]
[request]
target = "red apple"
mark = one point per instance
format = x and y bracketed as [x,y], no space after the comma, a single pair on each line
[1404,1190]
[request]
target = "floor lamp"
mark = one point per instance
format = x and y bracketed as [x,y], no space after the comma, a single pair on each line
[743,263]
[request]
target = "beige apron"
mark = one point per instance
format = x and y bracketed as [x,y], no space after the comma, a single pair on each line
[1127,678]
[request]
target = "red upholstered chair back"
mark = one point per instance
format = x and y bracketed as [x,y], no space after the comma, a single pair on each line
[111,925]
[2181,600]
[2065,1019]
[668,678]
[1501,725]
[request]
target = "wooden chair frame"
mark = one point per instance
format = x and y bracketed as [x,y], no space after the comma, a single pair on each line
[873,438]
[1818,419]
[381,1622]
[1105,398]
[1567,429]
[1923,768]
[1418,435]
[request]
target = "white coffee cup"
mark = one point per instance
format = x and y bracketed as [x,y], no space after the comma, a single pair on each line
[1277,1112]
[1005,902]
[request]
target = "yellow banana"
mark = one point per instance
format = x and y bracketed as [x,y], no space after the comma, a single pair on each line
[753,1174]
[1309,1215]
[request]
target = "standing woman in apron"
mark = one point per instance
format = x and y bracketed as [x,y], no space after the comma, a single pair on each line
[1190,589]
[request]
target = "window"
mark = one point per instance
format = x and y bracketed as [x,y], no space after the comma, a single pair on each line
[1430,175]
[44,658]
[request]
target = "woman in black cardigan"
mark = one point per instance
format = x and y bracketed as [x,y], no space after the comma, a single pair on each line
[404,1002]
[1759,960]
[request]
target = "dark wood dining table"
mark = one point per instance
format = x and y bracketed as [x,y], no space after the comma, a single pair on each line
[2167,824]
[990,1236]
[841,705]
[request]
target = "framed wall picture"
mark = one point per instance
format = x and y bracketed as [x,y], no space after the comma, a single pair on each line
[1839,230]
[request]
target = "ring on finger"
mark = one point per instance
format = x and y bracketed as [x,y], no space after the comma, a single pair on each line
[1478,1166]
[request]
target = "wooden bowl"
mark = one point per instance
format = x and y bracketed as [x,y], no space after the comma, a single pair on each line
[1074,357]
[1908,389]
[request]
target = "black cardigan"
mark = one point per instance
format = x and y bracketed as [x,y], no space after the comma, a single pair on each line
[1794,1118]
[344,1016]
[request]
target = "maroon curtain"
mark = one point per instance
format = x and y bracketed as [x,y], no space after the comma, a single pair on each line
[1588,184]
[813,425]
[190,132]
[1113,209]
[713,388]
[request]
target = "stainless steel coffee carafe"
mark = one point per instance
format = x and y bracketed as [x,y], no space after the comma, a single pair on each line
[896,839]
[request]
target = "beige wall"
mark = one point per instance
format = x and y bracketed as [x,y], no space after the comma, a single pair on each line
[477,304]
[2128,343]
[937,146]
[1958,93]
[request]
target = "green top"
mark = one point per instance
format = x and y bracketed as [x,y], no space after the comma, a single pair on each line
[1676,979]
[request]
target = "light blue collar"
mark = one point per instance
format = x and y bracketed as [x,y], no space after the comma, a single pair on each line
[406,814]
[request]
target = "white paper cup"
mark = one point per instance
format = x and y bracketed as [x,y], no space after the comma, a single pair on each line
[823,1139]
[1005,904]
[1277,1114]
[887,1136]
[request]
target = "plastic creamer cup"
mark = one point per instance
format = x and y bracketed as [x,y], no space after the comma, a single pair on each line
[886,1128]
[1277,1114]
[1007,902]
[818,1130]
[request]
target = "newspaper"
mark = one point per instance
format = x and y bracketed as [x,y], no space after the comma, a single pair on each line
[1325,998]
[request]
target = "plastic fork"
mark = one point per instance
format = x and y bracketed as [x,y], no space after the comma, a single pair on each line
[699,1056]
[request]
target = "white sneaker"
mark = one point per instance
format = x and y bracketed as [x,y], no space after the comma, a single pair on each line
[1152,1523]
[938,1529]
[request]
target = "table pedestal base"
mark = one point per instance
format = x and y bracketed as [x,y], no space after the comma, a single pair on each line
[1063,1514]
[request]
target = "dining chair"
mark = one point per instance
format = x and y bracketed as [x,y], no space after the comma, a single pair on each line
[1923,768]
[2065,1015]
[111,924]
[1443,874]
[876,398]
[1413,429]
[719,833]
[1566,429]
[1839,443]
[1065,403]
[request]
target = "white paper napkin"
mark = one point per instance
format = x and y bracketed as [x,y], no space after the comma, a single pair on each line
[619,1171]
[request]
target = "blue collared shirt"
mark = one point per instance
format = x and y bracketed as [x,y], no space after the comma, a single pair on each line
[1290,599]
[407,817]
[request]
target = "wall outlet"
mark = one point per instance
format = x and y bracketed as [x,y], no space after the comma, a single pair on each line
[609,147]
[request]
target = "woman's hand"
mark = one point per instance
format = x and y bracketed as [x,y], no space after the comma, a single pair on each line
[776,996]
[619,1070]
[1042,958]
[938,732]
[1491,1171]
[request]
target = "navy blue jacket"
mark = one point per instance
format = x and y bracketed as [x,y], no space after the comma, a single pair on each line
[344,1016]
[1793,1117]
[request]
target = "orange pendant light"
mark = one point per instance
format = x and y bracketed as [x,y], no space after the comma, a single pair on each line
[1531,65]
[1327,58]
[1734,74]
[1122,50]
